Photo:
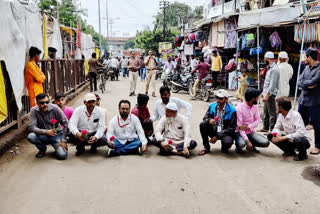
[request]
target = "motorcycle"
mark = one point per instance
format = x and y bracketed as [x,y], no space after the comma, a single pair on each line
[166,78]
[181,81]
[204,89]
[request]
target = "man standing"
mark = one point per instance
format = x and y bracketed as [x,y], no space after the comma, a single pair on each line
[286,72]
[60,100]
[125,133]
[270,90]
[160,106]
[232,84]
[124,62]
[151,64]
[173,133]
[133,67]
[295,134]
[219,123]
[142,68]
[216,66]
[87,126]
[34,76]
[142,112]
[45,121]
[309,83]
[94,64]
[248,118]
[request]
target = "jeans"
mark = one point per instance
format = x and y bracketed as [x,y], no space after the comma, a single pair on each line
[41,141]
[299,143]
[256,139]
[131,147]
[142,73]
[314,112]
[207,130]
[270,113]
[215,78]
[124,72]
[93,81]
[192,146]
[304,111]
[81,144]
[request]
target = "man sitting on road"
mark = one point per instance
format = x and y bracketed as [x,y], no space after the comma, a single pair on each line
[87,126]
[60,100]
[219,123]
[45,121]
[173,133]
[290,124]
[160,106]
[248,118]
[142,112]
[125,133]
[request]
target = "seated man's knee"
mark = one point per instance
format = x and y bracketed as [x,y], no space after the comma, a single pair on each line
[241,143]
[61,154]
[32,137]
[265,143]
[203,125]
[193,145]
[227,141]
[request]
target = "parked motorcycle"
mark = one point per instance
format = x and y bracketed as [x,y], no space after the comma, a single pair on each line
[181,81]
[204,89]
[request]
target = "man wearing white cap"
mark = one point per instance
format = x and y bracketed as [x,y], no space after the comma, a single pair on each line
[87,126]
[219,123]
[286,72]
[270,91]
[173,133]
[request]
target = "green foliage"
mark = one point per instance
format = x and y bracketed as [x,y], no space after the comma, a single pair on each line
[129,44]
[149,40]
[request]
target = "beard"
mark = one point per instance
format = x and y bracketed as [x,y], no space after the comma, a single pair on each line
[170,120]
[124,115]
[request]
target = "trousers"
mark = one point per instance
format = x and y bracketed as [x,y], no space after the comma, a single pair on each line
[299,143]
[192,146]
[133,81]
[256,139]
[128,148]
[196,83]
[93,81]
[207,130]
[80,145]
[41,141]
[270,113]
[315,120]
[151,78]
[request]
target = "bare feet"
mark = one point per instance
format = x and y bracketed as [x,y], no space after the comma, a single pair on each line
[203,151]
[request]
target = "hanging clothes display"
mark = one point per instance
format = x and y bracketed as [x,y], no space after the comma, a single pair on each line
[231,34]
[312,33]
[221,34]
[214,35]
[3,98]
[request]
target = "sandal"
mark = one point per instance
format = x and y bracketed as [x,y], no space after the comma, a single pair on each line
[315,151]
[203,152]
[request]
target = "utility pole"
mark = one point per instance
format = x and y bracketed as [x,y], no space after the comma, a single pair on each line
[99,28]
[107,16]
[163,6]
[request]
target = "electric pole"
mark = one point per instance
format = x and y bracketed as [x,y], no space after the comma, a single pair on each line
[107,16]
[99,28]
[163,6]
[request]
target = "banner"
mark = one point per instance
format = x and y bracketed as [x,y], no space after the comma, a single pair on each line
[3,99]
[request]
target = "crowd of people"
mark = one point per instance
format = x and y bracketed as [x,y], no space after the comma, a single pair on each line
[131,131]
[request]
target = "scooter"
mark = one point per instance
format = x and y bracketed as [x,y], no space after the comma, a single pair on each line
[181,81]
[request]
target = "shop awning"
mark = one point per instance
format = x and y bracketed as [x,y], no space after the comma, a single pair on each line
[270,16]
[67,30]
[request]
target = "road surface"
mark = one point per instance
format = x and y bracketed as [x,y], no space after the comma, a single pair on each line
[215,183]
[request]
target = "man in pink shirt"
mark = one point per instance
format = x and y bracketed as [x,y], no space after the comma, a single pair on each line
[60,100]
[248,118]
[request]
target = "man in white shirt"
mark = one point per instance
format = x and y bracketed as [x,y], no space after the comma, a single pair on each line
[173,133]
[87,126]
[160,106]
[125,133]
[115,66]
[286,72]
[295,135]
[124,62]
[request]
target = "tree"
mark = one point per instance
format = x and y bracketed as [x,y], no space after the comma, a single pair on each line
[129,44]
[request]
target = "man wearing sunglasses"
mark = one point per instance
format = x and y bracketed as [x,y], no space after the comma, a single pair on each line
[88,125]
[46,121]
[219,123]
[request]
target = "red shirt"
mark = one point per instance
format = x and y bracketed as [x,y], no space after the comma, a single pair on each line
[141,115]
[203,70]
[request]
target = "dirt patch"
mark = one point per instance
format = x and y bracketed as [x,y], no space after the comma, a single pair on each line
[312,173]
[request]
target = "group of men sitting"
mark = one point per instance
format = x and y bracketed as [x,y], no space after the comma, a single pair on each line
[130,131]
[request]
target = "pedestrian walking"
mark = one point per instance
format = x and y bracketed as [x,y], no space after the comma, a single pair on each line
[94,64]
[142,69]
[286,72]
[133,67]
[124,63]
[270,91]
[46,120]
[309,83]
[151,65]
[34,76]
[216,66]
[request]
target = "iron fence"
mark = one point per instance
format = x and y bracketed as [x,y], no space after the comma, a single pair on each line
[61,76]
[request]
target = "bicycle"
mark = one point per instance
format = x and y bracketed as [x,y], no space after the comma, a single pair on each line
[102,78]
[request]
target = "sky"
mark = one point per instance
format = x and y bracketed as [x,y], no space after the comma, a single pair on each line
[129,15]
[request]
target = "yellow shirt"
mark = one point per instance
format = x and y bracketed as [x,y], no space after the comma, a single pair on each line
[216,63]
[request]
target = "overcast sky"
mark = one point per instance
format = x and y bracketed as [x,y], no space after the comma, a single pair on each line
[129,15]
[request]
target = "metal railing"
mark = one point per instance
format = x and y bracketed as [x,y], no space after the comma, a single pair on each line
[61,76]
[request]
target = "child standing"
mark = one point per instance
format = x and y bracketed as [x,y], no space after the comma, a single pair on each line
[243,85]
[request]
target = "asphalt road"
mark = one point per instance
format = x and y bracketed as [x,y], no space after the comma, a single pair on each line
[215,183]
